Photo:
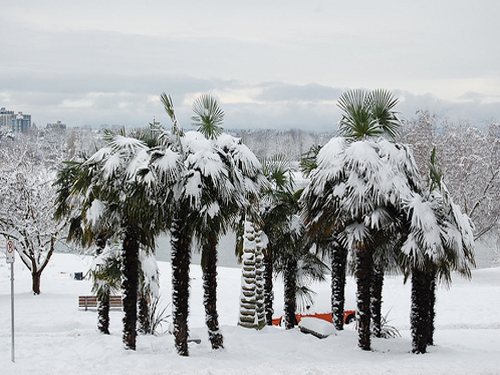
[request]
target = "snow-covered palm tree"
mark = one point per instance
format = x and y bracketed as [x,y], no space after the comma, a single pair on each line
[440,240]
[329,243]
[71,208]
[288,251]
[106,279]
[116,198]
[217,176]
[278,206]
[358,186]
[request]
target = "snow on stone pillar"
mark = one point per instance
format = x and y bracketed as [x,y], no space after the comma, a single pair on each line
[252,312]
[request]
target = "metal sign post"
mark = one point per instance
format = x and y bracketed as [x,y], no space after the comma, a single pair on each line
[10,257]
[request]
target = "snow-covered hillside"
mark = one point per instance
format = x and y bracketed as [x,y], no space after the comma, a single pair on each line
[54,337]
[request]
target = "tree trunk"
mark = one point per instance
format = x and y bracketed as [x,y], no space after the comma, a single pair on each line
[259,280]
[432,307]
[36,271]
[252,312]
[376,287]
[338,259]
[35,281]
[103,313]
[209,264]
[103,307]
[181,259]
[420,314]
[144,315]
[290,281]
[268,286]
[364,272]
[130,255]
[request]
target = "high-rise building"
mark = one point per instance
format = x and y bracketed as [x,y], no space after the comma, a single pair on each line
[6,118]
[19,122]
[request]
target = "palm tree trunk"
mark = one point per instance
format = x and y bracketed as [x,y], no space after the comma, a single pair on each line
[338,259]
[103,307]
[252,313]
[268,285]
[130,284]
[181,259]
[364,272]
[432,307]
[103,313]
[209,264]
[376,287]
[290,281]
[420,315]
[144,315]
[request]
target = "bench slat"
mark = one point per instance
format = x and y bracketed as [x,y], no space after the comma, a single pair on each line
[91,301]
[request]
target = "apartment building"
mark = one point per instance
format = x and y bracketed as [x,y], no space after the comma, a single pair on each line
[18,122]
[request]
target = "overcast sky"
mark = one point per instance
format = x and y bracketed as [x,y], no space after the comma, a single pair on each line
[271,64]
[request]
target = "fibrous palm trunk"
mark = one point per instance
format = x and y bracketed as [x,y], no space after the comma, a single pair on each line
[290,281]
[421,288]
[209,264]
[103,307]
[252,313]
[338,260]
[181,259]
[103,313]
[364,272]
[268,286]
[144,315]
[432,308]
[130,254]
[376,287]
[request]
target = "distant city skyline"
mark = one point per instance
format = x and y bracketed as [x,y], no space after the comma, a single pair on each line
[271,64]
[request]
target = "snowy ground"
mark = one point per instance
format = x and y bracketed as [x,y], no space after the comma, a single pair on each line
[54,337]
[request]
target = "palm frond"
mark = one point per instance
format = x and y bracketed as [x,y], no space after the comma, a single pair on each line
[208,116]
[168,104]
[308,160]
[278,170]
[382,102]
[368,114]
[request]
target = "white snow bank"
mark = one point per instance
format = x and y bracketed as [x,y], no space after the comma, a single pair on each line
[54,337]
[316,327]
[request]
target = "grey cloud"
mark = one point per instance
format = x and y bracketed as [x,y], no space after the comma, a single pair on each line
[473,110]
[279,91]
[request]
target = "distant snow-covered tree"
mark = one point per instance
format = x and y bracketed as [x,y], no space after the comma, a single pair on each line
[469,158]
[26,205]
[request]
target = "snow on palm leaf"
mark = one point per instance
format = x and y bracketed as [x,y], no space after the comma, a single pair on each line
[353,180]
[355,191]
[440,236]
[245,170]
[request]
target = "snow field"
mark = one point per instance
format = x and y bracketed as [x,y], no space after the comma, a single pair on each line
[54,337]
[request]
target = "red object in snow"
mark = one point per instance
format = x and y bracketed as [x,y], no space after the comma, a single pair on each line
[349,316]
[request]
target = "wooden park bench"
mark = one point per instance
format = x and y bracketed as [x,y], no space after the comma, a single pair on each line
[87,302]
